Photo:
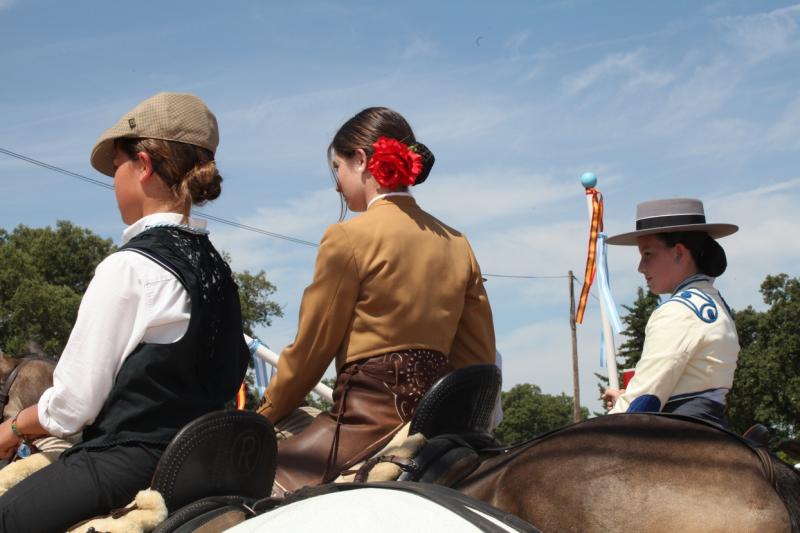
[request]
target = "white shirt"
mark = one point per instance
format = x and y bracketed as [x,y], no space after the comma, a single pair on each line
[387,194]
[130,300]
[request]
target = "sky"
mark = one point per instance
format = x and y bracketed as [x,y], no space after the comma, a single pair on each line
[516,99]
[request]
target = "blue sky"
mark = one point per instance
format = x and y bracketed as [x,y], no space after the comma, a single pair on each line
[516,99]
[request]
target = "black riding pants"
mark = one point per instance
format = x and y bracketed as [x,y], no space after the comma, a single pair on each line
[700,408]
[78,486]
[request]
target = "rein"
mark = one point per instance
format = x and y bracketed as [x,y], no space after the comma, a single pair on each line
[6,389]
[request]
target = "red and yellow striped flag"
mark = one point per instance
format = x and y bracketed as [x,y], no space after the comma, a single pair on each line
[595,227]
[241,397]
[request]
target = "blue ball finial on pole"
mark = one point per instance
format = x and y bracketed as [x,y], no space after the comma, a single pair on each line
[588,180]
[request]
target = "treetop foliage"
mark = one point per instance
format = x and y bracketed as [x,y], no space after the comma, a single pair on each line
[766,387]
[43,274]
[527,413]
[45,271]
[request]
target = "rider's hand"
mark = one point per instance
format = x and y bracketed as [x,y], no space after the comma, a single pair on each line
[8,441]
[610,396]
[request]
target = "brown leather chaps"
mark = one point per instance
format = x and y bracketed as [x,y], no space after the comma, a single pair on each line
[373,399]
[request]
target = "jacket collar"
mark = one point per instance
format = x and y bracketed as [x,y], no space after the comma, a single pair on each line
[693,279]
[393,198]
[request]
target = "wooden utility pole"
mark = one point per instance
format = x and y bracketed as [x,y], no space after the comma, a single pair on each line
[576,388]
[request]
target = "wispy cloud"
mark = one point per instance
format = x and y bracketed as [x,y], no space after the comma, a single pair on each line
[516,41]
[492,194]
[785,134]
[419,47]
[697,95]
[5,4]
[626,65]
[764,35]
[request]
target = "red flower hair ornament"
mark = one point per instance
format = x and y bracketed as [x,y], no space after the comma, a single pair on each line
[394,164]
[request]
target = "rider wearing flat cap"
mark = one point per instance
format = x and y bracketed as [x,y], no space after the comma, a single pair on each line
[691,345]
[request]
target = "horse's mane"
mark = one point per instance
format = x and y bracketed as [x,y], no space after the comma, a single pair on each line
[787,484]
[601,421]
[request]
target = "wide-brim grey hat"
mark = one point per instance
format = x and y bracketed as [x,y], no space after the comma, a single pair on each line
[177,117]
[669,216]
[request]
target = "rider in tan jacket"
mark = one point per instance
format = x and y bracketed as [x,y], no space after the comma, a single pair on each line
[397,300]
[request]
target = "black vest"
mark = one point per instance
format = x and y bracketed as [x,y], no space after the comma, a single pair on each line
[162,387]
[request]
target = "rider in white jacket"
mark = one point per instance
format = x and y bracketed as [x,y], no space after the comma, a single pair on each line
[691,346]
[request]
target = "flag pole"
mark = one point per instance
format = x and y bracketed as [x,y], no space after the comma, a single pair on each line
[271,357]
[589,181]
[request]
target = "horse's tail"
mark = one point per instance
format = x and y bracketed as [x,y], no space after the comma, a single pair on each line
[787,483]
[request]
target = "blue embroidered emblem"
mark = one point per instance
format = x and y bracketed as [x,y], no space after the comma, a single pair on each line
[702,304]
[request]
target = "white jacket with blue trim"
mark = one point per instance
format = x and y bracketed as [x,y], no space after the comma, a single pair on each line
[690,349]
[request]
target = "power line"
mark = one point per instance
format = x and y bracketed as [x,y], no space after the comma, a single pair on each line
[111,187]
[56,169]
[522,277]
[256,230]
[221,220]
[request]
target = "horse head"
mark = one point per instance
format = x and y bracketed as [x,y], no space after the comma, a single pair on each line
[23,379]
[7,365]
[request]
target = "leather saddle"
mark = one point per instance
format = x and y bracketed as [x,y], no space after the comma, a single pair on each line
[455,416]
[220,462]
[199,483]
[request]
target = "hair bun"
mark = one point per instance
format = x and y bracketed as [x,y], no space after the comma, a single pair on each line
[712,261]
[203,182]
[428,160]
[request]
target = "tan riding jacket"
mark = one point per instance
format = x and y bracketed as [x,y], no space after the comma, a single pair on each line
[392,278]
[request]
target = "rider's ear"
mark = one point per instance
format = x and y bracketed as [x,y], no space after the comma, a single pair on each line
[360,159]
[680,250]
[145,165]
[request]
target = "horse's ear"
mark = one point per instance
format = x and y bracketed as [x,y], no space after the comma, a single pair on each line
[34,348]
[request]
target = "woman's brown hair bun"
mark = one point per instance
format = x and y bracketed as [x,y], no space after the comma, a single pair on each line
[203,182]
[428,160]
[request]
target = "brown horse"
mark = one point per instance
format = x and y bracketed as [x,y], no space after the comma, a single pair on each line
[29,381]
[22,381]
[639,472]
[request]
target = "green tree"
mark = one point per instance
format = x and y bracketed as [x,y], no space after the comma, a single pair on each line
[766,387]
[630,351]
[45,271]
[43,274]
[321,403]
[254,293]
[527,412]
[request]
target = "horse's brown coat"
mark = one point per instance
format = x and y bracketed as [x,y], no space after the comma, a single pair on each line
[632,473]
[31,381]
